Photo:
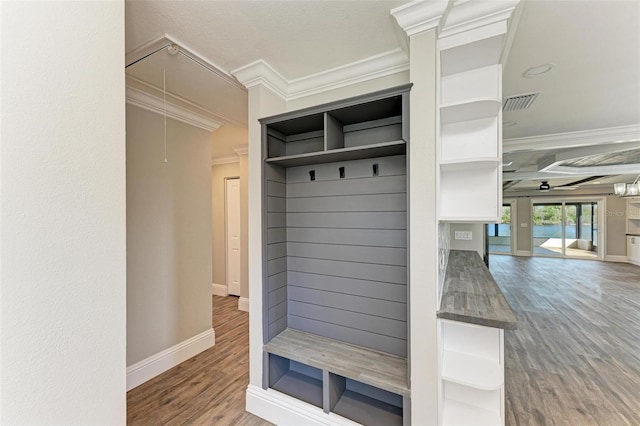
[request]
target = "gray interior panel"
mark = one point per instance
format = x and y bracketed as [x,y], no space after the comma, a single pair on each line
[336,316]
[391,345]
[384,273]
[356,287]
[356,237]
[352,203]
[349,253]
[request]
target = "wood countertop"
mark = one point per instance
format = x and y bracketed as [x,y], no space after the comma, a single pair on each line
[471,295]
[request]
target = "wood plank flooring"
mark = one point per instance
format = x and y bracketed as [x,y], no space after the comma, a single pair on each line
[575,357]
[206,389]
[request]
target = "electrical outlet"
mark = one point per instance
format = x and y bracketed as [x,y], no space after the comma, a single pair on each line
[463,235]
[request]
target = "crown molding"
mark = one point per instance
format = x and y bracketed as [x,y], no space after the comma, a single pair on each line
[225,160]
[611,135]
[143,99]
[166,40]
[383,64]
[241,150]
[465,15]
[419,15]
[261,73]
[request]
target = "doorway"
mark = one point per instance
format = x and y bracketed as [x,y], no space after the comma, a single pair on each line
[233,235]
[500,235]
[566,229]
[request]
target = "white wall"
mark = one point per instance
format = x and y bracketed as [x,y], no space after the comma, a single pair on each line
[477,241]
[63,213]
[168,234]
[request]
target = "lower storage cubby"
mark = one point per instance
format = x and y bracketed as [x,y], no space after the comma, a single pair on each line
[363,403]
[295,379]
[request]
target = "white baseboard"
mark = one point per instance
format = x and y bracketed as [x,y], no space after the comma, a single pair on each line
[282,409]
[219,290]
[243,304]
[523,253]
[149,368]
[634,262]
[616,259]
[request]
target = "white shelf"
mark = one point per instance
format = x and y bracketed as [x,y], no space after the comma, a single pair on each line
[469,370]
[472,109]
[469,164]
[456,413]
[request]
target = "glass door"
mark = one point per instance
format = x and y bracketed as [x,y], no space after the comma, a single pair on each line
[568,229]
[548,234]
[500,233]
[581,230]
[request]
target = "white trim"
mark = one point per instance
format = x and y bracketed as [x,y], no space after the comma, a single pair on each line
[261,73]
[219,290]
[633,262]
[609,135]
[282,409]
[418,15]
[380,65]
[224,160]
[154,365]
[241,149]
[464,17]
[523,253]
[243,304]
[166,40]
[612,258]
[386,63]
[145,100]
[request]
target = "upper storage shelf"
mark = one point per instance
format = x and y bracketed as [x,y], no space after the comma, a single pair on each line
[367,126]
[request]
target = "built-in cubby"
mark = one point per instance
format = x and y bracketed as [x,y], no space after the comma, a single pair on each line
[364,403]
[633,230]
[296,379]
[469,148]
[335,256]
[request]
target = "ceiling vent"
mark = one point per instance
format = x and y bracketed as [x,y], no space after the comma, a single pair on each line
[519,102]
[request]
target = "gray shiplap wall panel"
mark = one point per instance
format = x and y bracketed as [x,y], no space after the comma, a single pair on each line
[276,250]
[275,173]
[276,220]
[276,266]
[385,273]
[363,305]
[278,311]
[373,135]
[278,326]
[376,289]
[374,324]
[276,281]
[305,369]
[276,235]
[353,203]
[277,296]
[377,255]
[276,189]
[359,237]
[375,341]
[387,166]
[276,204]
[351,220]
[371,185]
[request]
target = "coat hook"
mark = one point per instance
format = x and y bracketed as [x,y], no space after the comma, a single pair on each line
[341,169]
[312,174]
[375,169]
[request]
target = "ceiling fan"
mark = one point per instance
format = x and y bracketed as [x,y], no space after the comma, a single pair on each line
[545,187]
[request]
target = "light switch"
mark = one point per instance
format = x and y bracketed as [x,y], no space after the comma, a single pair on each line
[463,235]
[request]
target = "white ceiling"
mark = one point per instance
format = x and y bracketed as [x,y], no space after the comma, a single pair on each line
[593,45]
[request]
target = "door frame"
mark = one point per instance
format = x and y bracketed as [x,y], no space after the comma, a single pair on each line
[602,238]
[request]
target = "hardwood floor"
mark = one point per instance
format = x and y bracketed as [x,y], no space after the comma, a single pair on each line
[575,357]
[206,389]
